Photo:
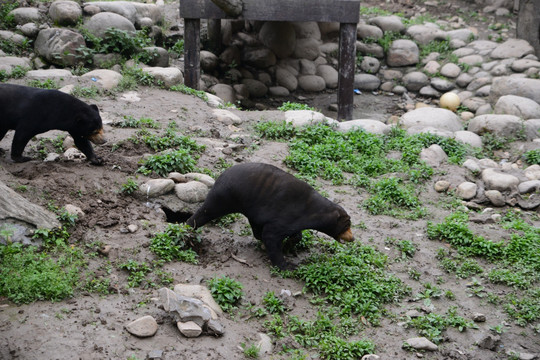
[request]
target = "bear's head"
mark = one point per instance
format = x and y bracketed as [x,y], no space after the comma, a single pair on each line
[343,231]
[90,124]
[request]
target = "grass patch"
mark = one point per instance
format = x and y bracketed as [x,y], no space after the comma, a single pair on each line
[286,106]
[226,291]
[177,242]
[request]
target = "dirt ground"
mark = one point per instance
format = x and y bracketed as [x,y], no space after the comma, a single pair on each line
[90,326]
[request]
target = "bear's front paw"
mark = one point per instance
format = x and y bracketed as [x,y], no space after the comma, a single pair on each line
[96,160]
[287,266]
[20,159]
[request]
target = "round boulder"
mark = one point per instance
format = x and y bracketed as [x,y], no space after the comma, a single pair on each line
[65,12]
[100,23]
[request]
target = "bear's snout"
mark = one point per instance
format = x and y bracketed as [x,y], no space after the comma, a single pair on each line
[346,236]
[97,137]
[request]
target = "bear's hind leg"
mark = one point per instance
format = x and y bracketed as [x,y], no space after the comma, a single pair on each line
[274,244]
[20,139]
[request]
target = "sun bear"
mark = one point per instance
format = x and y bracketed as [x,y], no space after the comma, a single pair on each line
[276,204]
[31,111]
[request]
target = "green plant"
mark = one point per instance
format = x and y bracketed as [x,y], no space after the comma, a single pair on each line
[45,84]
[177,48]
[189,91]
[131,122]
[286,106]
[129,187]
[532,157]
[91,92]
[162,164]
[251,351]
[7,231]
[273,304]
[226,291]
[407,248]
[137,272]
[7,20]
[27,275]
[176,243]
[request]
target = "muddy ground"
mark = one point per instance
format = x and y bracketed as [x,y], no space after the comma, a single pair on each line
[91,326]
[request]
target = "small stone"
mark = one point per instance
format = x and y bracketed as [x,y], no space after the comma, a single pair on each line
[421,343]
[479,317]
[371,357]
[489,341]
[189,329]
[495,197]
[264,344]
[441,186]
[466,190]
[143,327]
[413,313]
[214,327]
[132,228]
[155,354]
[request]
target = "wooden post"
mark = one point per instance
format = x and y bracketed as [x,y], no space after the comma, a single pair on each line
[347,59]
[192,46]
[214,35]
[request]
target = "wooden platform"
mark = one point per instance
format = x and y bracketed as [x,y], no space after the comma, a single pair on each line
[346,12]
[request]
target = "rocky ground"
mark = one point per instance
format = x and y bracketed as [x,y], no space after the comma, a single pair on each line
[91,325]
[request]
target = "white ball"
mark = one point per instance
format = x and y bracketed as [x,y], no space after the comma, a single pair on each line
[450,101]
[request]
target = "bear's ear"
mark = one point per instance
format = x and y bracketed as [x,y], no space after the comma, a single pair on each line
[94,106]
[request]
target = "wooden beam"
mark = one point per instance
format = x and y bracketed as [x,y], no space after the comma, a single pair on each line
[214,35]
[347,59]
[192,57]
[345,11]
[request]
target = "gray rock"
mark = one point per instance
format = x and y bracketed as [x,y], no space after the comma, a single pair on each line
[529,186]
[415,80]
[469,138]
[474,103]
[442,84]
[203,178]
[495,180]
[532,128]
[522,65]
[421,343]
[307,30]
[434,155]
[107,79]
[529,204]
[479,317]
[441,186]
[261,58]
[156,187]
[199,292]
[225,92]
[155,354]
[424,34]
[472,166]
[214,327]
[512,48]
[189,329]
[441,119]
[432,67]
[429,92]
[509,85]
[488,341]
[463,80]
[370,49]
[371,357]
[403,52]
[311,83]
[484,91]
[59,46]
[483,47]
[286,79]
[522,107]
[168,76]
[388,23]
[466,190]
[308,67]
[370,65]
[278,36]
[160,57]
[24,15]
[532,172]
[365,31]
[191,192]
[8,63]
[307,49]
[478,82]
[471,60]
[521,355]
[255,88]
[30,30]
[366,82]
[265,344]
[301,118]
[495,197]
[98,24]
[133,11]
[368,125]
[278,91]
[329,75]
[508,126]
[184,308]
[464,35]
[143,327]
[65,12]
[18,213]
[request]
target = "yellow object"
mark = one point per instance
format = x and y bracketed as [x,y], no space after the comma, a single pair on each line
[450,101]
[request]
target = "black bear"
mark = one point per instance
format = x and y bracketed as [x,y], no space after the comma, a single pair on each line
[277,205]
[31,111]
